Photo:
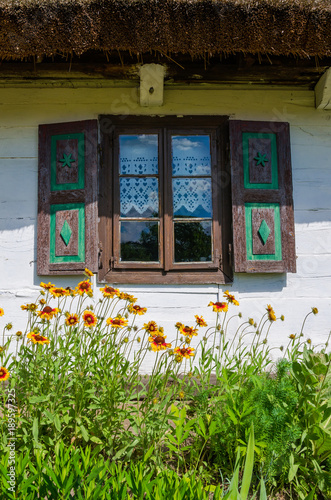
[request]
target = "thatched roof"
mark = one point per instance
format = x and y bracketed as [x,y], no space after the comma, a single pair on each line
[195,27]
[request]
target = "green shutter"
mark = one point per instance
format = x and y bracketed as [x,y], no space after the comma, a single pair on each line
[67,204]
[262,204]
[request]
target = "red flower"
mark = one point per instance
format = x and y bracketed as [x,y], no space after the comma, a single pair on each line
[219,306]
[89,318]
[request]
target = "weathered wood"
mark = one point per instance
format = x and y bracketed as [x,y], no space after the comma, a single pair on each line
[57,189]
[69,247]
[259,246]
[245,199]
[233,69]
[169,278]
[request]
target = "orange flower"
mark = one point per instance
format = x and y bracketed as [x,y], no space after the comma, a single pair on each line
[72,319]
[48,313]
[4,374]
[219,306]
[37,339]
[271,313]
[59,292]
[2,312]
[89,318]
[84,287]
[127,296]
[184,352]
[117,322]
[88,272]
[188,331]
[137,309]
[230,298]
[179,325]
[292,336]
[151,327]
[200,321]
[158,342]
[109,291]
[47,286]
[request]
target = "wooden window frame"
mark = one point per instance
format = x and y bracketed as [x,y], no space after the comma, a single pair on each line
[218,271]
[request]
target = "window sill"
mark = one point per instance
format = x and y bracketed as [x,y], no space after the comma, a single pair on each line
[164,278]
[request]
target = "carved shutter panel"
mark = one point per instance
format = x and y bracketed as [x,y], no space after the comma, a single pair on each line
[262,205]
[67,198]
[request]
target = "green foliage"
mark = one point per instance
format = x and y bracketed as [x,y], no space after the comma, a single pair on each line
[88,422]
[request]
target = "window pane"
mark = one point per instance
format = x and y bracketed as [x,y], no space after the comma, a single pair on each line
[138,154]
[139,241]
[139,197]
[192,198]
[191,155]
[193,241]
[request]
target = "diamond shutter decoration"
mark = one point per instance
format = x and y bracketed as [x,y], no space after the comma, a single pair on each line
[262,201]
[67,198]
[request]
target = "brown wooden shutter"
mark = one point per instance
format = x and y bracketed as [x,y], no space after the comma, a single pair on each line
[262,204]
[67,198]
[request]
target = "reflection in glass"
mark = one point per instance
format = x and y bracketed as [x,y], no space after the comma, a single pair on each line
[139,197]
[192,197]
[139,241]
[191,155]
[193,241]
[138,154]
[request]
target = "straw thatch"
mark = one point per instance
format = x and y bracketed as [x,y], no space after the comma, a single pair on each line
[195,27]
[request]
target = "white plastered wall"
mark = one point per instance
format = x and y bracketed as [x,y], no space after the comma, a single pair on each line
[23,109]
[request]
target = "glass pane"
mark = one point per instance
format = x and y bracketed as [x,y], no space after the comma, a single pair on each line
[190,155]
[193,241]
[139,241]
[192,198]
[138,154]
[139,197]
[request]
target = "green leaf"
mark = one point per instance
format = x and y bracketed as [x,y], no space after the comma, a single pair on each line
[35,429]
[84,432]
[249,464]
[232,416]
[292,471]
[96,440]
[148,454]
[173,448]
[310,496]
[38,399]
[263,493]
[57,423]
[49,415]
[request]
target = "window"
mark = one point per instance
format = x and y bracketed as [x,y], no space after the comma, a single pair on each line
[162,200]
[165,199]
